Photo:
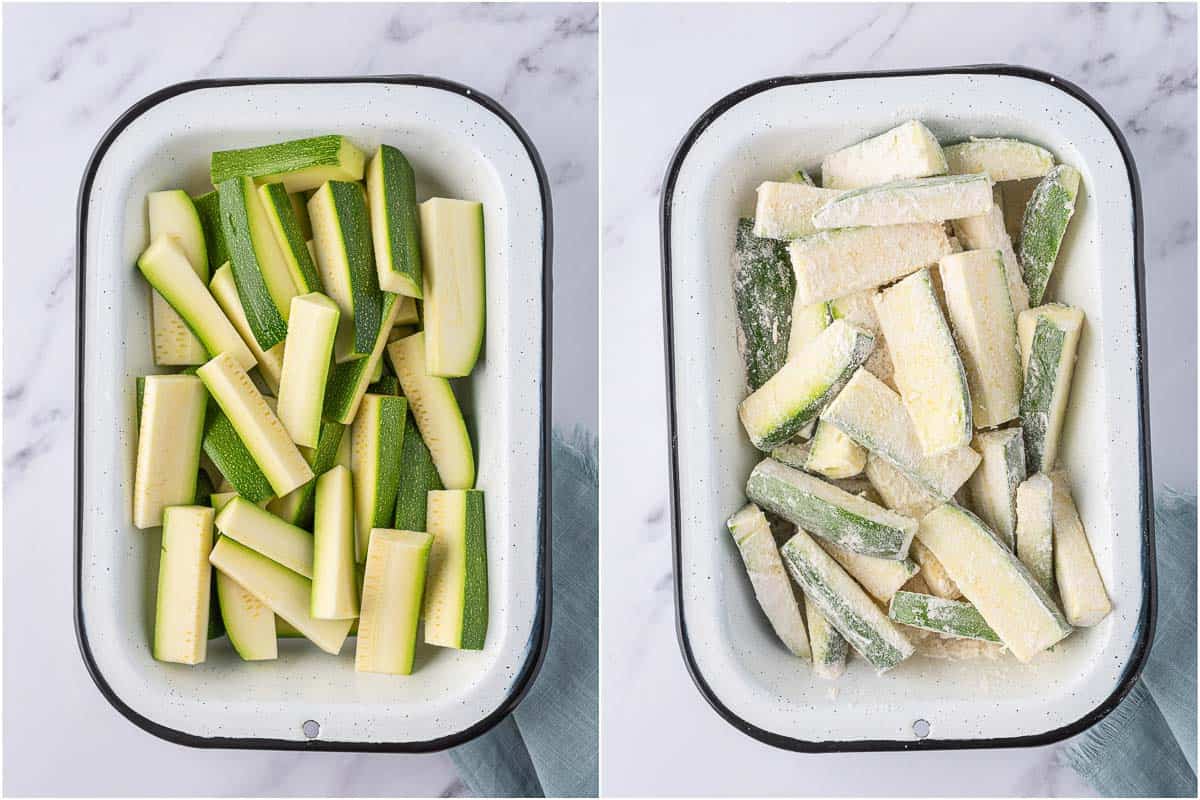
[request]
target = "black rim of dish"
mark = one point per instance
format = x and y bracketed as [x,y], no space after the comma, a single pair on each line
[539,637]
[1146,620]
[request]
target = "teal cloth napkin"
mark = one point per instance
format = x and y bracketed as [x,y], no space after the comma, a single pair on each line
[1147,746]
[549,746]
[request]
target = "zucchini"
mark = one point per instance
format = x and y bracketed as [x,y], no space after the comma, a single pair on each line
[874,416]
[833,454]
[847,607]
[829,648]
[208,208]
[1049,340]
[784,210]
[418,477]
[334,584]
[395,221]
[880,577]
[1084,599]
[257,425]
[264,281]
[172,213]
[898,491]
[376,440]
[829,512]
[987,232]
[452,305]
[407,316]
[763,287]
[306,366]
[296,507]
[906,151]
[795,395]
[224,447]
[393,585]
[937,580]
[342,239]
[289,235]
[993,580]
[182,603]
[219,500]
[286,593]
[806,324]
[928,371]
[1035,528]
[168,452]
[947,617]
[985,327]
[436,411]
[994,484]
[1002,159]
[835,263]
[224,290]
[263,532]
[908,201]
[300,164]
[859,308]
[387,384]
[168,270]
[1045,223]
[769,579]
[348,381]
[249,624]
[456,600]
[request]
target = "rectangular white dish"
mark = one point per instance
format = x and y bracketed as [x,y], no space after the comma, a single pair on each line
[766,130]
[461,144]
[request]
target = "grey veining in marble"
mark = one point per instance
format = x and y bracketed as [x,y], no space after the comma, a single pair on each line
[665,64]
[69,71]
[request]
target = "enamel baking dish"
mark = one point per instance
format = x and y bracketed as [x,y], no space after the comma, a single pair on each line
[766,130]
[461,144]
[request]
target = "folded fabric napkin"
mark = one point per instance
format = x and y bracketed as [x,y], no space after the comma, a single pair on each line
[1147,746]
[549,746]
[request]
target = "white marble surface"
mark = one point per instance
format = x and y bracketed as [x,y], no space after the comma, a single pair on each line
[69,71]
[662,66]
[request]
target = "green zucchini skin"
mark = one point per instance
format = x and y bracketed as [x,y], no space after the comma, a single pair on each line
[396,221]
[350,208]
[223,445]
[388,384]
[763,289]
[266,322]
[276,159]
[293,244]
[1047,215]
[418,477]
[951,617]
[475,590]
[348,381]
[1037,395]
[208,206]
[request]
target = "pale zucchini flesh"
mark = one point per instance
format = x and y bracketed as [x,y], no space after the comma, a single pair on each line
[763,287]
[296,506]
[881,577]
[287,593]
[873,415]
[985,327]
[928,370]
[992,578]
[834,263]
[807,322]
[768,577]
[829,512]
[1047,215]
[936,579]
[172,213]
[263,532]
[393,585]
[1001,159]
[994,484]
[456,600]
[256,424]
[784,210]
[334,582]
[833,454]
[843,602]
[309,348]
[859,308]
[987,232]
[795,395]
[452,263]
[897,490]
[1035,529]
[270,361]
[1049,340]
[170,431]
[947,617]
[1084,599]
[182,603]
[224,448]
[906,151]
[908,201]
[436,411]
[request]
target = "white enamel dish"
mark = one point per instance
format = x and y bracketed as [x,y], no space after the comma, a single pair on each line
[766,130]
[461,144]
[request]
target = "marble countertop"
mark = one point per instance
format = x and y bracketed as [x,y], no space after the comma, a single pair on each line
[662,66]
[69,71]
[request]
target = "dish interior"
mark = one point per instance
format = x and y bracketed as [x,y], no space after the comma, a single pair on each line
[765,137]
[458,148]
